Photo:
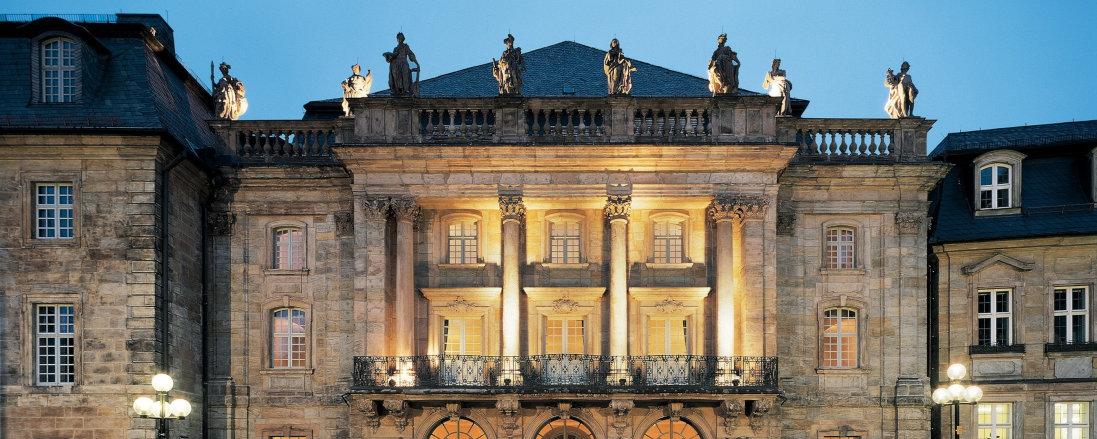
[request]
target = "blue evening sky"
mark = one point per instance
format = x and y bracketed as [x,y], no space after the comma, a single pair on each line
[977,64]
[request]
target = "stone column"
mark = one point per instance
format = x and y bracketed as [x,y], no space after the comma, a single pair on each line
[618,208]
[513,212]
[403,335]
[724,215]
[370,268]
[750,297]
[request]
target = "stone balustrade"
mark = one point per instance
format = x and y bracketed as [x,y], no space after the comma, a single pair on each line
[846,140]
[278,140]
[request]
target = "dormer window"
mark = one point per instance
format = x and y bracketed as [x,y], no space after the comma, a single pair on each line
[997,182]
[60,76]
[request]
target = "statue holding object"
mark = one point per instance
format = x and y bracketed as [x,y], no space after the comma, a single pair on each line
[723,69]
[508,70]
[356,86]
[228,94]
[618,70]
[779,86]
[400,70]
[901,93]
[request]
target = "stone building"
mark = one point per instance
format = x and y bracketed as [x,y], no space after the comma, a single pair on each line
[1013,266]
[460,265]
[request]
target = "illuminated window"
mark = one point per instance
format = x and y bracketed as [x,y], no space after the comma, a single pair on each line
[565,336]
[995,319]
[53,209]
[1070,420]
[995,187]
[668,336]
[671,429]
[289,248]
[564,241]
[55,344]
[458,429]
[1071,315]
[667,245]
[995,420]
[462,336]
[463,242]
[840,245]
[564,429]
[840,338]
[58,70]
[288,338]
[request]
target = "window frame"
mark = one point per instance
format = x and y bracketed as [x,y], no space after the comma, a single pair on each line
[444,247]
[682,221]
[37,336]
[304,335]
[855,335]
[272,245]
[994,426]
[851,244]
[43,69]
[580,237]
[1006,158]
[57,208]
[996,185]
[465,318]
[994,316]
[667,342]
[1054,426]
[1071,290]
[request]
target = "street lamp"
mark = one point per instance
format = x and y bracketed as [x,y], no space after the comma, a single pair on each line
[956,393]
[160,409]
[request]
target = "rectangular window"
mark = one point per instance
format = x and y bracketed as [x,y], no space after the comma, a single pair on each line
[462,243]
[289,248]
[1071,420]
[995,420]
[839,248]
[53,212]
[1071,314]
[995,326]
[840,338]
[55,344]
[668,242]
[564,242]
[668,336]
[288,338]
[565,336]
[462,336]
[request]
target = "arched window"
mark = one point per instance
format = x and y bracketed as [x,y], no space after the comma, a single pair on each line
[460,428]
[289,338]
[59,72]
[840,338]
[289,248]
[463,244]
[564,429]
[840,247]
[995,186]
[671,429]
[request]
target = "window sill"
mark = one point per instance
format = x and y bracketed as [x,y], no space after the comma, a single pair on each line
[286,272]
[675,265]
[473,265]
[1070,349]
[841,371]
[287,371]
[999,350]
[551,265]
[842,271]
[50,242]
[997,212]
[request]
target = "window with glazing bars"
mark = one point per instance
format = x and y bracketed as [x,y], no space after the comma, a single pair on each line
[668,336]
[55,344]
[53,211]
[462,242]
[1071,314]
[289,248]
[840,337]
[668,242]
[995,325]
[59,73]
[840,247]
[565,336]
[995,187]
[564,242]
[288,338]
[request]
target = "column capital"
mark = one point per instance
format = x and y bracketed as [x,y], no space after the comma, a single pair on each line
[910,222]
[374,208]
[728,207]
[512,208]
[618,207]
[405,209]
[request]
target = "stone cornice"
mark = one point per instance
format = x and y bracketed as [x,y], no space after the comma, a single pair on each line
[738,206]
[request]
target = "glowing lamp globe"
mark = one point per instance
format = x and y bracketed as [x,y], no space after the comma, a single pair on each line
[162,382]
[180,408]
[957,372]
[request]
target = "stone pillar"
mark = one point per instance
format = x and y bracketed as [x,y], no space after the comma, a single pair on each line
[618,208]
[370,269]
[403,335]
[724,215]
[750,297]
[513,212]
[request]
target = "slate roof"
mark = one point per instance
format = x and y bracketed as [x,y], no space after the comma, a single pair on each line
[1055,179]
[552,70]
[136,82]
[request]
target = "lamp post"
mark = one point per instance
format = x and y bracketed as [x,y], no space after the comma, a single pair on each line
[956,393]
[160,409]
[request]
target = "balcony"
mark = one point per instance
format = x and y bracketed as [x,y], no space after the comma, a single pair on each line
[566,374]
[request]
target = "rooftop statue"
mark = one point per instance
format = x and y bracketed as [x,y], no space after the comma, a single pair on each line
[228,94]
[356,86]
[400,81]
[508,70]
[723,69]
[779,86]
[901,93]
[618,70]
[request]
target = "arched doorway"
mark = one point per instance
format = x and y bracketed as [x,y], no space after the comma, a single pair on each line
[459,428]
[564,429]
[671,429]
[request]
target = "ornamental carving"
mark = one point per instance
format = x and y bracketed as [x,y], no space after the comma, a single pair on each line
[460,305]
[618,207]
[405,209]
[564,305]
[344,223]
[761,409]
[508,407]
[621,409]
[563,410]
[375,209]
[224,192]
[220,223]
[398,409]
[909,222]
[512,208]
[739,206]
[670,306]
[785,224]
[453,411]
[369,411]
[674,411]
[730,410]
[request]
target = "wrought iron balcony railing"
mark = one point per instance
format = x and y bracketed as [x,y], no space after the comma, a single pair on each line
[568,373]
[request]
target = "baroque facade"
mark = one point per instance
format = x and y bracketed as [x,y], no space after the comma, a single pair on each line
[459,264]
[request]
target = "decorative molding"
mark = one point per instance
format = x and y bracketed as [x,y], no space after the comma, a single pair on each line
[1017,264]
[405,209]
[563,410]
[453,411]
[221,223]
[398,409]
[512,208]
[674,411]
[786,223]
[621,409]
[460,305]
[670,306]
[369,411]
[910,222]
[344,223]
[508,407]
[761,409]
[729,410]
[618,207]
[375,209]
[564,305]
[738,206]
